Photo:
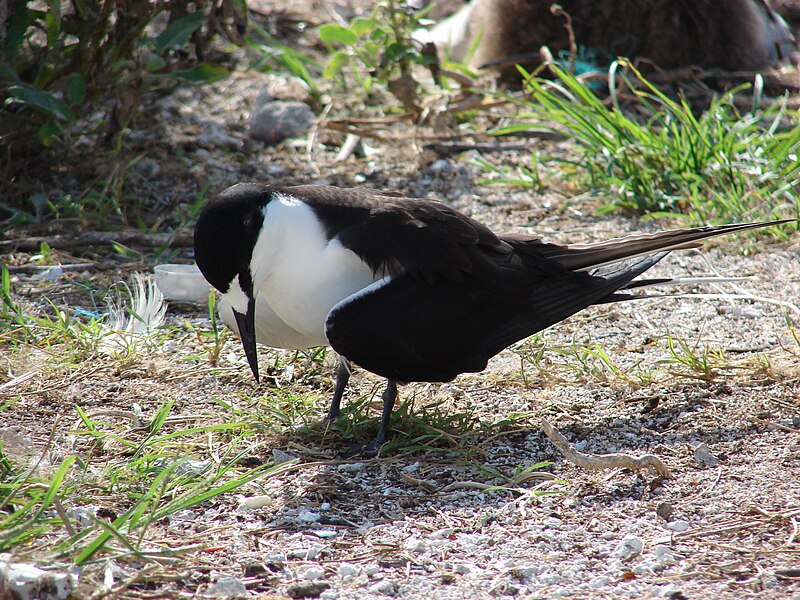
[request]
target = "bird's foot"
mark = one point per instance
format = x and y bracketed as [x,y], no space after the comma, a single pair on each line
[371,450]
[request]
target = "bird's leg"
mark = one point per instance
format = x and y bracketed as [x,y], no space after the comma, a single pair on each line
[342,377]
[389,396]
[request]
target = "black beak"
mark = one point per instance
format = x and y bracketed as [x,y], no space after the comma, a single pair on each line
[247,331]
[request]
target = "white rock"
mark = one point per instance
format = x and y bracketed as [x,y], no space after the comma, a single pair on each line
[348,570]
[325,533]
[226,587]
[275,557]
[255,502]
[678,525]
[599,582]
[383,587]
[309,553]
[313,572]
[702,454]
[352,467]
[308,516]
[665,555]
[279,456]
[628,548]
[278,120]
[25,581]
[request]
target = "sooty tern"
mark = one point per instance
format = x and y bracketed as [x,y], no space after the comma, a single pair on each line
[409,289]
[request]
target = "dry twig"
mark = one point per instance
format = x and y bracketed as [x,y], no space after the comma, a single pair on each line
[99,238]
[602,461]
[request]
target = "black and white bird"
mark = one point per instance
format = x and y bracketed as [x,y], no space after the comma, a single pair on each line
[409,289]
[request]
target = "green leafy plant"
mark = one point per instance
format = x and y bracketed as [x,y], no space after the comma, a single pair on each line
[60,58]
[377,48]
[720,165]
[270,53]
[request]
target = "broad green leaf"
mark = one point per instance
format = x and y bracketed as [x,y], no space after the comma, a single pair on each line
[334,66]
[53,22]
[7,73]
[45,101]
[154,62]
[363,25]
[337,34]
[76,89]
[203,73]
[179,32]
[396,51]
[18,24]
[80,8]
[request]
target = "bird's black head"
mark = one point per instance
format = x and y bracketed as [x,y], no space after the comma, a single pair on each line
[224,237]
[227,231]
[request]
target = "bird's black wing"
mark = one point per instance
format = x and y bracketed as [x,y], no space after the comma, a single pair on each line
[411,328]
[407,330]
[424,238]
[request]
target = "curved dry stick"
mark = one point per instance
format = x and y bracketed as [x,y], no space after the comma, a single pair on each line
[602,461]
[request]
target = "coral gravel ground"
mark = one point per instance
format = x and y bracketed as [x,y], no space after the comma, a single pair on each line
[461,516]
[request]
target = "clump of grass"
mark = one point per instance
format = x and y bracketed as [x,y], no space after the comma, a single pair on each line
[152,468]
[576,363]
[721,165]
[680,359]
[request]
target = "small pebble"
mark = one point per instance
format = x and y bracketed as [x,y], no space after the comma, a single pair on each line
[665,555]
[679,525]
[347,570]
[324,533]
[255,502]
[383,587]
[310,589]
[313,572]
[703,455]
[226,587]
[599,582]
[664,510]
[278,120]
[308,516]
[628,548]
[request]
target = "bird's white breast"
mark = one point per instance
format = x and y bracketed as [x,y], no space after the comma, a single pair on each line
[300,275]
